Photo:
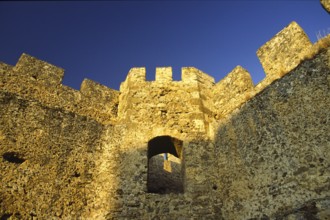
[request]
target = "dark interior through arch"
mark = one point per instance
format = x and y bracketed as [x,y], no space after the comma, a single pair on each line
[165,174]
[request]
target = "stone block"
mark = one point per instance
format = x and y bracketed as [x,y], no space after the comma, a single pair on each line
[164,74]
[39,70]
[284,51]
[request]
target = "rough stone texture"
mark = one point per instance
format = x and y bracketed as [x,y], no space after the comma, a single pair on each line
[273,153]
[238,151]
[284,51]
[165,176]
[32,78]
[232,91]
[170,107]
[326,5]
[47,159]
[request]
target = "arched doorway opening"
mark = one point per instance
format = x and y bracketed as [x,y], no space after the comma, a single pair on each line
[165,174]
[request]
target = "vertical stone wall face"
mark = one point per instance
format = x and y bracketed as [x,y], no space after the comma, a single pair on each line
[245,151]
[164,176]
[47,159]
[175,107]
[36,79]
[273,154]
[151,109]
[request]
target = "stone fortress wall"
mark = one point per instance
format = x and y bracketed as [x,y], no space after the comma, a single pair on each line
[241,151]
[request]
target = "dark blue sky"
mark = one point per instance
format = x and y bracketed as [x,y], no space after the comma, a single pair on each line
[102,40]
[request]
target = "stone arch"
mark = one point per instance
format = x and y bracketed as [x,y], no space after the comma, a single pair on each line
[165,174]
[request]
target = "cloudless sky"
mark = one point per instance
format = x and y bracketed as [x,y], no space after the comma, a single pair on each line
[102,40]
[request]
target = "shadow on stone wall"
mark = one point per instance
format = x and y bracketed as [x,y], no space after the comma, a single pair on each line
[47,158]
[269,158]
[273,153]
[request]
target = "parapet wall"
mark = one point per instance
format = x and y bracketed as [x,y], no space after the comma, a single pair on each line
[230,90]
[47,157]
[176,106]
[279,56]
[267,157]
[283,53]
[273,152]
[189,75]
[33,78]
[36,79]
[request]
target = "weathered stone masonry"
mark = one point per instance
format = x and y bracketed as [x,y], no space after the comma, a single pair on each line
[164,149]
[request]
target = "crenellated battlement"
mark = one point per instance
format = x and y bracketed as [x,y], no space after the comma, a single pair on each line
[189,75]
[169,149]
[164,74]
[37,79]
[280,55]
[32,78]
